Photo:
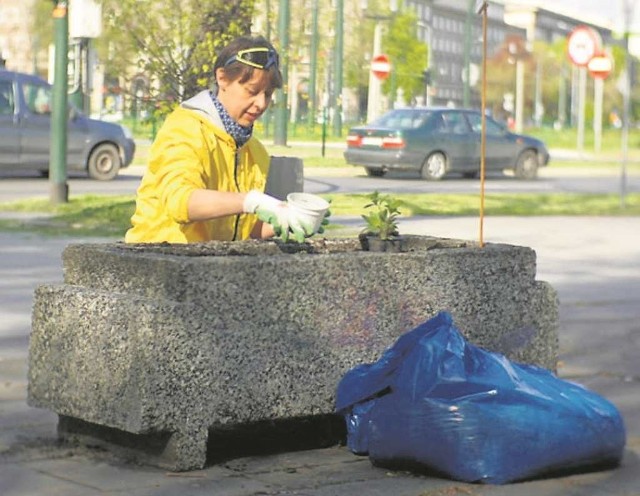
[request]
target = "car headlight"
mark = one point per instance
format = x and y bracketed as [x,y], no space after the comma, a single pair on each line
[127,132]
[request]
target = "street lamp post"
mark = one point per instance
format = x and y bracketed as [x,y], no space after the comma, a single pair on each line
[58,188]
[280,125]
[338,60]
[313,66]
[628,8]
[466,94]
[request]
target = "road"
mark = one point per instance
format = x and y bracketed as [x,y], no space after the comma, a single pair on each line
[353,180]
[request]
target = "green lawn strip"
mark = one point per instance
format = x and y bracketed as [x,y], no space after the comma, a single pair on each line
[504,204]
[83,215]
[109,216]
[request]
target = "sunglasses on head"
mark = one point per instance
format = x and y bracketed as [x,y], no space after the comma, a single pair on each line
[259,57]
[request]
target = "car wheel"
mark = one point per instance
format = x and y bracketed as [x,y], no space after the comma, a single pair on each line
[527,165]
[435,167]
[104,162]
[375,172]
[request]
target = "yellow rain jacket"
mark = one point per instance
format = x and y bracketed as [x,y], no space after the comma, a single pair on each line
[193,151]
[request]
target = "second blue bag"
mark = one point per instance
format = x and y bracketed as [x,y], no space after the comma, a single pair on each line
[434,400]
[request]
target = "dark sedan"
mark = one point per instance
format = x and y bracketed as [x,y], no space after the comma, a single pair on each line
[439,141]
[99,148]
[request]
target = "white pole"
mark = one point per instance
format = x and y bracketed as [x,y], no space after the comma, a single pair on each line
[628,11]
[597,113]
[582,99]
[293,94]
[373,103]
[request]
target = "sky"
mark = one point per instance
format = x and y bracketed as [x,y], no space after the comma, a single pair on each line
[607,10]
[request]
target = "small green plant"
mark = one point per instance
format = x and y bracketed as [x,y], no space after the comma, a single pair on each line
[382,218]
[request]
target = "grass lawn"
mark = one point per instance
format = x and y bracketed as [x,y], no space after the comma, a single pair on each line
[108,215]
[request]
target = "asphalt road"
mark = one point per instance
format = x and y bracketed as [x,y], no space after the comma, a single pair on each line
[15,186]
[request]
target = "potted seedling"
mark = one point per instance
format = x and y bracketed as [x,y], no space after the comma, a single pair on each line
[381,231]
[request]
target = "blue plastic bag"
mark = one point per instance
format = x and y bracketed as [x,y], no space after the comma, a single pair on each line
[435,401]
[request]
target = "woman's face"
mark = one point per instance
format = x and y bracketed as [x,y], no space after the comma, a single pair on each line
[246,101]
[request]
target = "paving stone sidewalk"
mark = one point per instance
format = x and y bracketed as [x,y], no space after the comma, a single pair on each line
[594,263]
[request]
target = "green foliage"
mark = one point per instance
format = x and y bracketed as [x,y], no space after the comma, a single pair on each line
[41,33]
[382,219]
[408,56]
[171,44]
[548,72]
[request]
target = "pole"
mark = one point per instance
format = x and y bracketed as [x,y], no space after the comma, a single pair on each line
[483,135]
[582,98]
[562,98]
[626,111]
[338,60]
[539,113]
[58,188]
[597,113]
[373,100]
[427,92]
[269,112]
[313,66]
[324,130]
[280,131]
[466,95]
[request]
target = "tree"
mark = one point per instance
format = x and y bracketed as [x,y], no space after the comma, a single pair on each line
[41,31]
[170,43]
[408,56]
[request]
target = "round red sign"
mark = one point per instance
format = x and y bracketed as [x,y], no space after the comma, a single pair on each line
[380,66]
[582,45]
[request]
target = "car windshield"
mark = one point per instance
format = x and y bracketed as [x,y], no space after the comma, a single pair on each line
[403,119]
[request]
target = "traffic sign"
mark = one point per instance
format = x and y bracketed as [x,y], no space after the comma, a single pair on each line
[583,43]
[380,66]
[600,65]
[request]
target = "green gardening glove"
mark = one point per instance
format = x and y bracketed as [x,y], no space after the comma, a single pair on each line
[270,210]
[325,222]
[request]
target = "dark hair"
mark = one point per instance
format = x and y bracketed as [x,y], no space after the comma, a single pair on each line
[242,72]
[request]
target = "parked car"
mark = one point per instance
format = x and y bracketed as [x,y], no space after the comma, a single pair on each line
[99,148]
[439,141]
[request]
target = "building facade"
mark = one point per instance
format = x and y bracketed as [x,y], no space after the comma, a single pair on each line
[451,28]
[453,33]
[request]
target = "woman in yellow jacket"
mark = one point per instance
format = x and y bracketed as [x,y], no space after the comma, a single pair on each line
[206,173]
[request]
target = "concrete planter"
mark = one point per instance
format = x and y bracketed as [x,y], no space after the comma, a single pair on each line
[166,342]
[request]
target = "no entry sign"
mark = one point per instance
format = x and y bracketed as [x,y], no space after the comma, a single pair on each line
[600,65]
[583,44]
[380,66]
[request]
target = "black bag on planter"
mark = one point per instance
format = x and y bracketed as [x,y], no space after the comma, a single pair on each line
[435,401]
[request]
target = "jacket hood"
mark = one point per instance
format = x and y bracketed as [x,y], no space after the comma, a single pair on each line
[203,105]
